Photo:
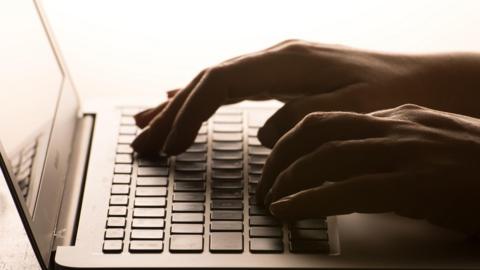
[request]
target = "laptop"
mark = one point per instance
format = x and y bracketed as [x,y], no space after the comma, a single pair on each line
[87,201]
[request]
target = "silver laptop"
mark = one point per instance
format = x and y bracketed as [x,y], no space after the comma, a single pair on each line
[87,201]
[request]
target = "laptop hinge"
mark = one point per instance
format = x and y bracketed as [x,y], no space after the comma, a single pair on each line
[66,229]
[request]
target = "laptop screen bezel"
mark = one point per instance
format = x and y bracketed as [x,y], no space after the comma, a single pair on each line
[40,227]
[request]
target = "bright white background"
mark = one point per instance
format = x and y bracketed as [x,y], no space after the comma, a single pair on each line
[147,46]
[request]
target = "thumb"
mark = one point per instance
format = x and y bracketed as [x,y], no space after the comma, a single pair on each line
[371,193]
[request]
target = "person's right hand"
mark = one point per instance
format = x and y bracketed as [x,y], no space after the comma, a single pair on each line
[308,77]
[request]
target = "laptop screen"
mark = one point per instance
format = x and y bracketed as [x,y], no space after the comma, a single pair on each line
[38,116]
[30,80]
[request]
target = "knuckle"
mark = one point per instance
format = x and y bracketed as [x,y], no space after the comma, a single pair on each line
[408,107]
[311,119]
[294,45]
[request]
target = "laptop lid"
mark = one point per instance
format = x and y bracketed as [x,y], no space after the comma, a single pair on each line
[37,117]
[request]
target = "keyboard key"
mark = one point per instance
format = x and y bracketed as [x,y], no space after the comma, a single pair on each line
[227,185]
[252,200]
[128,130]
[188,207]
[227,155]
[226,226]
[148,223]
[112,246]
[150,202]
[257,159]
[203,130]
[253,141]
[127,121]
[227,174]
[123,169]
[149,212]
[189,176]
[117,211]
[310,224]
[226,205]
[266,245]
[192,157]
[227,164]
[266,232]
[309,246]
[227,119]
[227,137]
[117,234]
[152,181]
[120,190]
[126,139]
[252,132]
[121,179]
[189,186]
[226,215]
[259,150]
[227,146]
[190,167]
[252,189]
[263,221]
[226,242]
[151,192]
[197,148]
[146,246]
[256,210]
[186,229]
[160,161]
[188,197]
[146,235]
[119,200]
[309,234]
[188,218]
[227,128]
[255,169]
[186,243]
[200,139]
[254,178]
[123,159]
[124,149]
[152,171]
[116,222]
[227,194]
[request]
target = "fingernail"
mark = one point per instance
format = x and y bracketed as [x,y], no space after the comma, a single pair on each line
[277,207]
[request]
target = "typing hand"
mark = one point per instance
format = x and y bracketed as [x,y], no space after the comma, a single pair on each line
[411,160]
[308,77]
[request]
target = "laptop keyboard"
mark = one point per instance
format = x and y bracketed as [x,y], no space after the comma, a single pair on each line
[202,200]
[22,167]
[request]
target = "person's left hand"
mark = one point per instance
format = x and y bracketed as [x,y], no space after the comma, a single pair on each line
[410,160]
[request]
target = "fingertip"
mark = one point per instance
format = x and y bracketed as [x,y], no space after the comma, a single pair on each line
[141,119]
[268,135]
[144,144]
[280,208]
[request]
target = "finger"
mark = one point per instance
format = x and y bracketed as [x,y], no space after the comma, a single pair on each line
[152,138]
[313,131]
[375,193]
[268,75]
[340,160]
[143,118]
[292,112]
[172,93]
